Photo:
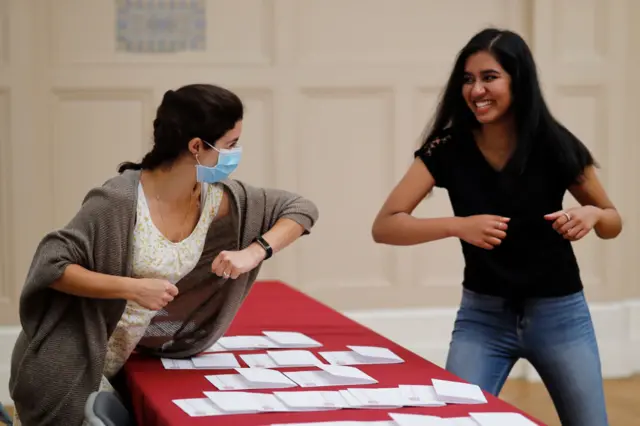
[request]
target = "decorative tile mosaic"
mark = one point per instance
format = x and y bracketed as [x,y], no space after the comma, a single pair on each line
[160,26]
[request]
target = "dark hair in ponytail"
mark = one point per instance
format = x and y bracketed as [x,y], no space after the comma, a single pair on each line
[193,111]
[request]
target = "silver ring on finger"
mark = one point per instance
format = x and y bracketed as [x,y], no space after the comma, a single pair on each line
[225,274]
[567,215]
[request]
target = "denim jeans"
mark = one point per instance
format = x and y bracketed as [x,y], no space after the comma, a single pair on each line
[555,335]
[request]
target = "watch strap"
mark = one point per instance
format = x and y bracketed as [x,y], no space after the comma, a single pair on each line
[265,245]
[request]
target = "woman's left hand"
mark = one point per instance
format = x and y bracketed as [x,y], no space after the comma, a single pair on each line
[232,264]
[573,224]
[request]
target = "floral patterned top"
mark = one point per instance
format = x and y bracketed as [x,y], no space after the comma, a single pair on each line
[154,256]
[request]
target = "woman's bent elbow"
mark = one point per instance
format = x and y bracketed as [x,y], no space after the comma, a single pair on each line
[378,232]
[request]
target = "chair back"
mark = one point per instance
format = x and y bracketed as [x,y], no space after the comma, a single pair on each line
[105,409]
[4,416]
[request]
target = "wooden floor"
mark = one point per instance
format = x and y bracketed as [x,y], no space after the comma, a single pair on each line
[623,401]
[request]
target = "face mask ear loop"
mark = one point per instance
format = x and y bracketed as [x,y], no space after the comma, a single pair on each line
[210,146]
[197,159]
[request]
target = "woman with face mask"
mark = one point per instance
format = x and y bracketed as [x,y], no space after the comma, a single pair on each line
[158,260]
[507,164]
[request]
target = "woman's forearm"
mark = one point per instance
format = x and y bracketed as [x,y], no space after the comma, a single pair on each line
[609,224]
[79,281]
[283,233]
[401,229]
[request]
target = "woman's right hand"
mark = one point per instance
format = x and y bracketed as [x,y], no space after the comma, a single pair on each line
[485,231]
[153,294]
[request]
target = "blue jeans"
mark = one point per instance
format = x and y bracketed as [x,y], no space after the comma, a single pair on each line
[555,335]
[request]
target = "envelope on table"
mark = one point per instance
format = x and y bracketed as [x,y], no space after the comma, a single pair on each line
[352,401]
[377,398]
[460,421]
[420,396]
[458,392]
[198,407]
[362,355]
[216,347]
[251,378]
[342,423]
[241,343]
[224,361]
[292,339]
[246,402]
[259,360]
[331,375]
[403,419]
[294,358]
[312,400]
[177,364]
[205,361]
[501,419]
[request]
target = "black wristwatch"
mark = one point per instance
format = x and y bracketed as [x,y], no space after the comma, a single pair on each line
[265,245]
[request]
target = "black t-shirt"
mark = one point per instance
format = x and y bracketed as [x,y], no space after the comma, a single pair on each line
[533,259]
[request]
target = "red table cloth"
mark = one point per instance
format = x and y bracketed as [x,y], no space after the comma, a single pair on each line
[275,306]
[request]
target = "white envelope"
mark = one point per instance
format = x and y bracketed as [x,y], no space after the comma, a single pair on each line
[501,419]
[331,375]
[338,423]
[177,364]
[342,423]
[251,378]
[294,358]
[420,396]
[458,392]
[312,400]
[225,361]
[361,355]
[241,343]
[402,419]
[216,347]
[377,398]
[246,402]
[460,421]
[198,407]
[292,339]
[205,361]
[352,401]
[259,360]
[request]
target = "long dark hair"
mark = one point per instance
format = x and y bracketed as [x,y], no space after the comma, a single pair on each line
[193,111]
[534,122]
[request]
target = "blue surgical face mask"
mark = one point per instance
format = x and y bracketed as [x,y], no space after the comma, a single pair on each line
[228,160]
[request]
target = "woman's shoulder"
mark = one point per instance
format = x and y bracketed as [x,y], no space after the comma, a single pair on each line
[115,193]
[219,197]
[438,144]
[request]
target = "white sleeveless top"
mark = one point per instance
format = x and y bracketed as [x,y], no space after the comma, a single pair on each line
[154,256]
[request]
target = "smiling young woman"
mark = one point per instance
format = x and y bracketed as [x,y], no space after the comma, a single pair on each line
[507,164]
